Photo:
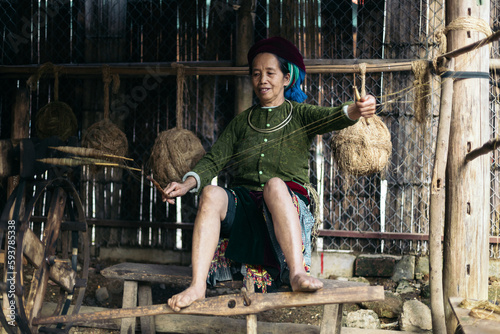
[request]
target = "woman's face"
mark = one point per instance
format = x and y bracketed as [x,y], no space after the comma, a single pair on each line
[268,81]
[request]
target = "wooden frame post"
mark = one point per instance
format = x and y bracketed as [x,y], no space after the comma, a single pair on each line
[244,90]
[467,184]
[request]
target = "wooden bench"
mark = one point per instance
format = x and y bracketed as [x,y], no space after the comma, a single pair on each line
[138,277]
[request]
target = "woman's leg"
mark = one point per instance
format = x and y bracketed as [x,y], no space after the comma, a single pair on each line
[288,233]
[211,211]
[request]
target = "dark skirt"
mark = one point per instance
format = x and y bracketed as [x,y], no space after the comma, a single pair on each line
[252,248]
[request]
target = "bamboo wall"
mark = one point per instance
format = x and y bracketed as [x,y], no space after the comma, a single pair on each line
[201,32]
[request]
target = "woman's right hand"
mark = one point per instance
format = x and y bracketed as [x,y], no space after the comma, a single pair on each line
[177,189]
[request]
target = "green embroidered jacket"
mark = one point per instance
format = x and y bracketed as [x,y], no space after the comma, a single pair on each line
[257,157]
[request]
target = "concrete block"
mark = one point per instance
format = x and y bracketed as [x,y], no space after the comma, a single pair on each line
[368,265]
[326,264]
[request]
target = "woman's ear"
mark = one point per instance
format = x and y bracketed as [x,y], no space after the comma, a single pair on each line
[287,79]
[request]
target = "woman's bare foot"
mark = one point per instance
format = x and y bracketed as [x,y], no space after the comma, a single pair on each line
[186,298]
[305,283]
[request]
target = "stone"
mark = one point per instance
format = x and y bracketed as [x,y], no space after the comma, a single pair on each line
[101,294]
[374,265]
[391,307]
[404,268]
[366,319]
[359,279]
[405,287]
[416,317]
[422,266]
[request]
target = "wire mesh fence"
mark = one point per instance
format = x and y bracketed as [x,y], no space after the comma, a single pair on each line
[156,33]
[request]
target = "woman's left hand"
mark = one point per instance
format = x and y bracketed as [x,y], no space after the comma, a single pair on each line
[365,107]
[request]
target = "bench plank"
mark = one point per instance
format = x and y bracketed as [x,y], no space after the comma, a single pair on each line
[336,292]
[144,272]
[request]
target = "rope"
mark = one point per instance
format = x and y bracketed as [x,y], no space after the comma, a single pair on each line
[56,82]
[420,68]
[106,78]
[460,23]
[45,68]
[181,81]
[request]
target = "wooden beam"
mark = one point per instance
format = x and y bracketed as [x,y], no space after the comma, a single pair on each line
[314,66]
[334,292]
[374,235]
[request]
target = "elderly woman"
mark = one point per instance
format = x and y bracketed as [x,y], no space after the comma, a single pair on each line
[268,144]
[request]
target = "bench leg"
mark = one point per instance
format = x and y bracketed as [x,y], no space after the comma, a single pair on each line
[129,300]
[146,298]
[331,322]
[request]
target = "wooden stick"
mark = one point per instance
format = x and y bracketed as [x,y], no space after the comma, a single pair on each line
[455,53]
[487,147]
[234,304]
[156,184]
[437,204]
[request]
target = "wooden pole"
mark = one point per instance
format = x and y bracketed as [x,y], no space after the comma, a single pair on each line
[467,184]
[314,66]
[244,90]
[437,204]
[20,127]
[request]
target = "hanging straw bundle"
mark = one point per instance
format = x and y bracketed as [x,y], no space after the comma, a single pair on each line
[105,135]
[56,118]
[175,151]
[365,147]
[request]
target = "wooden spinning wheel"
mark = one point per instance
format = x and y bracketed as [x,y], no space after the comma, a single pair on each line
[57,259]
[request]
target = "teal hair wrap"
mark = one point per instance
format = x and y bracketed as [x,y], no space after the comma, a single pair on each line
[293,91]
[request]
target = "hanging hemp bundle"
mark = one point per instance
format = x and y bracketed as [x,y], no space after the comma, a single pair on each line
[421,84]
[365,147]
[56,118]
[175,151]
[105,135]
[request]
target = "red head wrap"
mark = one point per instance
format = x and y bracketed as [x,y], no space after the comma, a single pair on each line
[280,47]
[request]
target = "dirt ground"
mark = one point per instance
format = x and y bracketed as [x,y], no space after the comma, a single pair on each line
[161,292]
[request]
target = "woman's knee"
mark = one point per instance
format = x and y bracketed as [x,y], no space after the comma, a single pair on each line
[211,194]
[274,186]
[213,198]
